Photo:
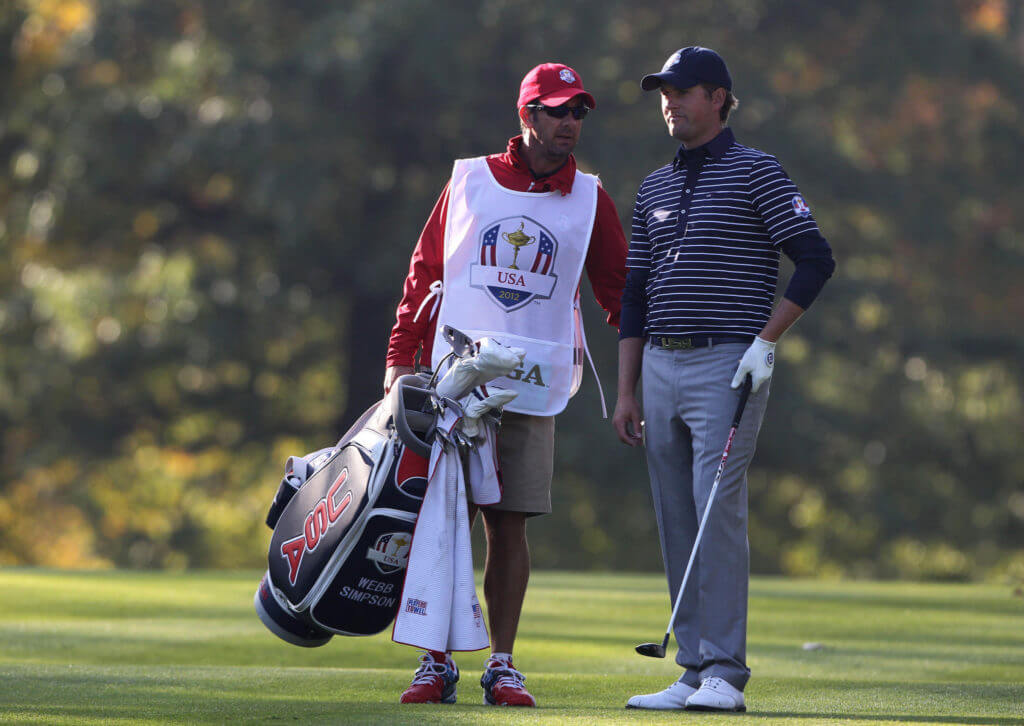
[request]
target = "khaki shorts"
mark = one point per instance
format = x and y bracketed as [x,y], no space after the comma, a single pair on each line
[526,455]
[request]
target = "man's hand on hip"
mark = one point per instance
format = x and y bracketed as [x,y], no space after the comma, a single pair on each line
[626,420]
[393,373]
[758,361]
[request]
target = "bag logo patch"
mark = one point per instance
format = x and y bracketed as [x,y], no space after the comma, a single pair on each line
[320,519]
[390,553]
[509,271]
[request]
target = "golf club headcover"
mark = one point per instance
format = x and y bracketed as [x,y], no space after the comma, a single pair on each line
[474,408]
[492,360]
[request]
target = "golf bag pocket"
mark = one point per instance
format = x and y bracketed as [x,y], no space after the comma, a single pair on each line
[362,599]
[406,481]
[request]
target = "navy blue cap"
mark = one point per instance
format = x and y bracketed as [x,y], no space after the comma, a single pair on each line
[688,67]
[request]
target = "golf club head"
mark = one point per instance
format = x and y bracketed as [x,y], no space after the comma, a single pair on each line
[462,345]
[651,650]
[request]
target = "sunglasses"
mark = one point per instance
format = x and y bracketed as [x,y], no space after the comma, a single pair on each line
[562,111]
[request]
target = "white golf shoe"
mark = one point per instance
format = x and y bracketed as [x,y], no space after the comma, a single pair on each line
[716,694]
[672,698]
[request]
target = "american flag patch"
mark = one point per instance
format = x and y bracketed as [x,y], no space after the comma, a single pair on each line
[545,251]
[416,607]
[489,246]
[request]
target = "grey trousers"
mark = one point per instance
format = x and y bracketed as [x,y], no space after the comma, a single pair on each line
[688,409]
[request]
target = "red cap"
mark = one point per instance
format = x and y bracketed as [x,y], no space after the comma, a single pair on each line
[552,84]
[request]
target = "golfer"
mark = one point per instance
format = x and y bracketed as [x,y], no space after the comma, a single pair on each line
[698,317]
[501,256]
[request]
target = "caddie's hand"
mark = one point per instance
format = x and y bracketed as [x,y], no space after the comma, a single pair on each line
[626,420]
[393,373]
[758,361]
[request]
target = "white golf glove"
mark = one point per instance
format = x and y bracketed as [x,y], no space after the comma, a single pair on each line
[758,361]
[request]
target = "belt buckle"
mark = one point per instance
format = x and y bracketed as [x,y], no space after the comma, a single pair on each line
[676,343]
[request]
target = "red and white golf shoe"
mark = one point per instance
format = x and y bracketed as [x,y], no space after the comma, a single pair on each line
[434,681]
[504,686]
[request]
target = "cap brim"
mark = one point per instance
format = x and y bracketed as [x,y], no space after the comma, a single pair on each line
[655,80]
[557,98]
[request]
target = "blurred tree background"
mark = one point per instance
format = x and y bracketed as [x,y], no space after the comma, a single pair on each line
[207,210]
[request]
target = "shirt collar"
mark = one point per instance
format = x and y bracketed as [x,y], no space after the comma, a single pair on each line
[715,148]
[560,180]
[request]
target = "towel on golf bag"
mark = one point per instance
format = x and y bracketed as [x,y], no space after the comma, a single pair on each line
[439,609]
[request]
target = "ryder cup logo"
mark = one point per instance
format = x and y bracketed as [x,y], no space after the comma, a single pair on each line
[566,75]
[390,552]
[517,256]
[800,207]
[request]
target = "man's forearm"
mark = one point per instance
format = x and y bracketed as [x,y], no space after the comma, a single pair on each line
[783,316]
[631,351]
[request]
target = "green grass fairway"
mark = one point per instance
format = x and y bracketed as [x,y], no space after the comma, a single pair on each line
[133,647]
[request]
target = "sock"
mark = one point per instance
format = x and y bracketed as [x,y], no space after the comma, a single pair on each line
[505,658]
[438,656]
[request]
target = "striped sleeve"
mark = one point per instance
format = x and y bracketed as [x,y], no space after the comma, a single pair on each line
[639,257]
[776,199]
[638,266]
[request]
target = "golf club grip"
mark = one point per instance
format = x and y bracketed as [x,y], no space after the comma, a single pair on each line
[744,394]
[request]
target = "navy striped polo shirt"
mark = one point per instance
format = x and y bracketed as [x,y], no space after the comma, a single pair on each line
[704,253]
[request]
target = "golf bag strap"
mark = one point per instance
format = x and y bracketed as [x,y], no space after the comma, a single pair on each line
[299,468]
[296,471]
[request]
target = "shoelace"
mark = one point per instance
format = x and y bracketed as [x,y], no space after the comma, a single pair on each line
[429,670]
[713,683]
[508,676]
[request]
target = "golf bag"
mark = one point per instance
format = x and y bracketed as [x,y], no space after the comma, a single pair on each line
[343,519]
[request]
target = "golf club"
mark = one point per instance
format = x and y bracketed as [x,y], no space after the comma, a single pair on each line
[657,650]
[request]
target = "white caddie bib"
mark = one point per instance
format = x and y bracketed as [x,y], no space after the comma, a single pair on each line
[512,266]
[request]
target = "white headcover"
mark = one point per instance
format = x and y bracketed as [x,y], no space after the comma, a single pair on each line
[493,360]
[475,408]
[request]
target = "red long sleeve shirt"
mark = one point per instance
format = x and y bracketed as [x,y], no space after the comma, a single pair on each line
[605,263]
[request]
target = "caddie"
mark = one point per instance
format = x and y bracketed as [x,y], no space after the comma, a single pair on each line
[501,255]
[697,315]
